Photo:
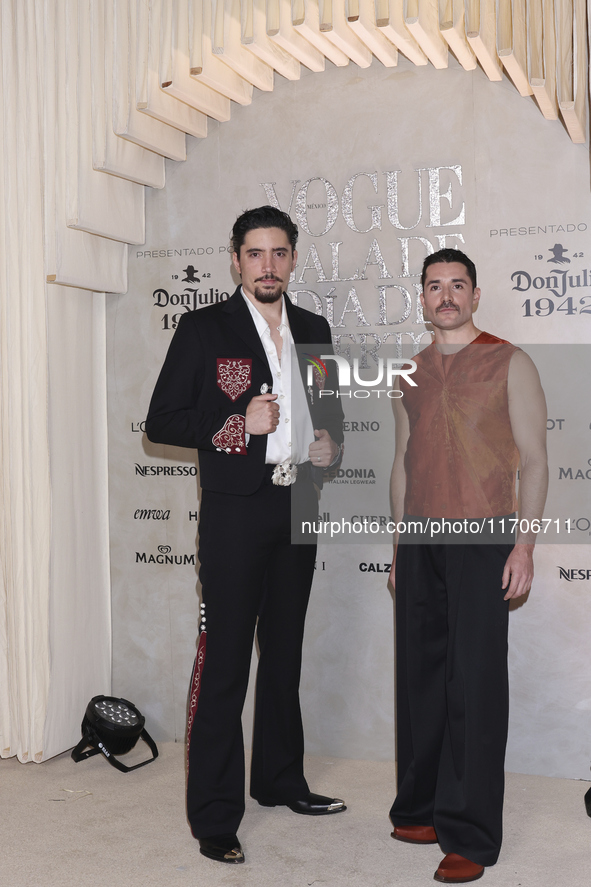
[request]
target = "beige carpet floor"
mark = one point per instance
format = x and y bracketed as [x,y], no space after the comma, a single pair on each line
[87,825]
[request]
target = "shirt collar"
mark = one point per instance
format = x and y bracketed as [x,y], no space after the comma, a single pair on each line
[260,322]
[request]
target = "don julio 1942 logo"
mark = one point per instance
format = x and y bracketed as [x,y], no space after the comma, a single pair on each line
[557,282]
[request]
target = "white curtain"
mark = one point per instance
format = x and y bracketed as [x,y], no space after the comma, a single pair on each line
[54,583]
[25,513]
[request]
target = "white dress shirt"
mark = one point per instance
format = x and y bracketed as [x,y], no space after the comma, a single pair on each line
[292,438]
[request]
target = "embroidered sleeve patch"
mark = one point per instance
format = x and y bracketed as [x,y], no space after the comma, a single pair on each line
[319,378]
[234,375]
[231,438]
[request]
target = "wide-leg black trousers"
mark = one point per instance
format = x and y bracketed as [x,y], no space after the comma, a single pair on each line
[452,694]
[249,570]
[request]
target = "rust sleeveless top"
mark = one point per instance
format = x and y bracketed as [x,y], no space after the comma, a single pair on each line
[461,459]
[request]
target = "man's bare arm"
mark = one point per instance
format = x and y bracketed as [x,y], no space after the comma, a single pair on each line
[398,476]
[528,415]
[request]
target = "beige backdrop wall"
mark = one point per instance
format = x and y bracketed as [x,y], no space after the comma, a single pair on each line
[476,170]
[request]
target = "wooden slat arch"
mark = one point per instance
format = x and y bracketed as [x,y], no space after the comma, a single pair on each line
[176,62]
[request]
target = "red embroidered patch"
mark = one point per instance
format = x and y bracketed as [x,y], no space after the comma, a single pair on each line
[319,378]
[234,375]
[231,437]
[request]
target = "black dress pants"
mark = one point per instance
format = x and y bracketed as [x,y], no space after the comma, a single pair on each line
[249,570]
[452,694]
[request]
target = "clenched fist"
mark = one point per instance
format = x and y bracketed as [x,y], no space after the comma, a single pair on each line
[262,414]
[324,450]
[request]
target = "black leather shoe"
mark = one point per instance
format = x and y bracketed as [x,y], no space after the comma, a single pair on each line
[223,848]
[313,805]
[317,805]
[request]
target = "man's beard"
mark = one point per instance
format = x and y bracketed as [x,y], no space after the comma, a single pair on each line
[267,297]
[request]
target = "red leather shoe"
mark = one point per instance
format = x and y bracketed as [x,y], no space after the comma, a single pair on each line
[415,834]
[456,869]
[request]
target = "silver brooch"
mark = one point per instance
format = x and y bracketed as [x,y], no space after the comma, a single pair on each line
[264,388]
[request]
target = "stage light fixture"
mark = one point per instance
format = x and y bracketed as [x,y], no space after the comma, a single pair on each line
[112,727]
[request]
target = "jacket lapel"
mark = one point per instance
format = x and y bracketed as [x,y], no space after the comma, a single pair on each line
[301,336]
[239,319]
[297,325]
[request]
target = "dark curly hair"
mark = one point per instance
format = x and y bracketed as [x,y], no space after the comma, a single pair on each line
[262,217]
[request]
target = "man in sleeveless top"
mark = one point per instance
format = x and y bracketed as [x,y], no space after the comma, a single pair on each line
[476,412]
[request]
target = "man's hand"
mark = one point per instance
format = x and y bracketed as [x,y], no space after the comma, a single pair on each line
[324,450]
[262,415]
[519,571]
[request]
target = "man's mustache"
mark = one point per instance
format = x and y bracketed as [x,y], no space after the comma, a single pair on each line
[446,304]
[268,277]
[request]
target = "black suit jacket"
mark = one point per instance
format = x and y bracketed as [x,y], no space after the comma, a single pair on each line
[189,407]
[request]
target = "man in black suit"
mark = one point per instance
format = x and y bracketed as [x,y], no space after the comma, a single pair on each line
[226,388]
